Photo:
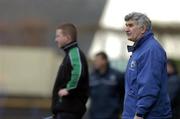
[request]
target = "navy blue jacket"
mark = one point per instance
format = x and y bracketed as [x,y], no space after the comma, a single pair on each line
[106,93]
[146,81]
[173,86]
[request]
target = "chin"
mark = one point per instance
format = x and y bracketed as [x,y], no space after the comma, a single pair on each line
[131,40]
[59,46]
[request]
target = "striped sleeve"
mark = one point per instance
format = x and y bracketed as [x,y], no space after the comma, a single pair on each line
[76,68]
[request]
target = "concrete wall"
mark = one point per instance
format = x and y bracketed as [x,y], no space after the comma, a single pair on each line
[27,70]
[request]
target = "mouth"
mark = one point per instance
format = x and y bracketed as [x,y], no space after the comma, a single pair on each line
[128,34]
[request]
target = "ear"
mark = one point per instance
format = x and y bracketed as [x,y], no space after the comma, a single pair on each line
[143,29]
[69,38]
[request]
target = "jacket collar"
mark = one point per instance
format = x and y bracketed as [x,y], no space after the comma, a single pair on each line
[67,47]
[140,41]
[103,74]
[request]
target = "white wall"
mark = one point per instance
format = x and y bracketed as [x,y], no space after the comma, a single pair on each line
[28,70]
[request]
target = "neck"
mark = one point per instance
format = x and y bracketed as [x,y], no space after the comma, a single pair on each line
[70,45]
[103,70]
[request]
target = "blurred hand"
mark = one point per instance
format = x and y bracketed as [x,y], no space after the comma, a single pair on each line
[63,92]
[136,117]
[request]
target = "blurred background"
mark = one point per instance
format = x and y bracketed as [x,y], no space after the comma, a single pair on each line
[29,57]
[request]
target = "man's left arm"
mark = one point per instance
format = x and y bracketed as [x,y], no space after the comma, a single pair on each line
[75,73]
[149,81]
[76,64]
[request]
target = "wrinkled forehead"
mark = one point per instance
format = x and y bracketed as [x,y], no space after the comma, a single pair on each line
[130,23]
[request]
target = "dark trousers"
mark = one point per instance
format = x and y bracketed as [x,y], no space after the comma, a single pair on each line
[65,115]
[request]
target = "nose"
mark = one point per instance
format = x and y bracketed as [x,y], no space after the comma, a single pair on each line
[126,29]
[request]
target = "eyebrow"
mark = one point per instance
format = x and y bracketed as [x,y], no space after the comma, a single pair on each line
[129,24]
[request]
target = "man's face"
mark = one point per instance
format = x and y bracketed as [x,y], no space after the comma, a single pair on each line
[170,69]
[99,62]
[61,39]
[133,30]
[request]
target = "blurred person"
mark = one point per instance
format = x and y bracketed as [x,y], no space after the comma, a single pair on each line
[71,88]
[146,93]
[106,90]
[174,88]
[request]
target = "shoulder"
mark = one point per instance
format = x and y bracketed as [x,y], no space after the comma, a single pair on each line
[74,51]
[116,72]
[153,49]
[154,45]
[113,70]
[74,56]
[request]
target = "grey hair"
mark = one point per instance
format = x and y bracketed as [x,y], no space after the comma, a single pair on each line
[140,18]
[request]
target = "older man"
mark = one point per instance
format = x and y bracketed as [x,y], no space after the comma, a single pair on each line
[146,95]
